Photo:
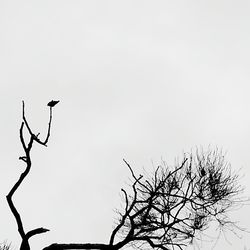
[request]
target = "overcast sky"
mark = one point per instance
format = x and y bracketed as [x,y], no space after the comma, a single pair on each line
[140,80]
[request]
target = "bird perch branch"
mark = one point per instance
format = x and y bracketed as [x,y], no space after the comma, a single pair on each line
[27,160]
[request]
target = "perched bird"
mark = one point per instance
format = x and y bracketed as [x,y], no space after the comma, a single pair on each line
[52,103]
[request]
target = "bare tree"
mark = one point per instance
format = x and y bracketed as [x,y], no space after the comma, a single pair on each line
[165,210]
[168,208]
[27,146]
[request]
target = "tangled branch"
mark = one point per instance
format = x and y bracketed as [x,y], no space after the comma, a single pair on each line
[168,209]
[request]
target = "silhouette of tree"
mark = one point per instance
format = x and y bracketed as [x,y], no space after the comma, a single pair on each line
[27,146]
[169,207]
[165,209]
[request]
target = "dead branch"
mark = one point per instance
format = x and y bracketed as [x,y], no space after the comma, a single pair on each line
[27,160]
[169,209]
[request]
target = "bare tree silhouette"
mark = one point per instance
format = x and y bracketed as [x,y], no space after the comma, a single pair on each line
[27,146]
[165,209]
[172,205]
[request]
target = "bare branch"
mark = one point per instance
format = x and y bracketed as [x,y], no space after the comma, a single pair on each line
[35,137]
[169,209]
[36,231]
[27,160]
[56,246]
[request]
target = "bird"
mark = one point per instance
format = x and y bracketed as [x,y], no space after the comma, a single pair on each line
[52,103]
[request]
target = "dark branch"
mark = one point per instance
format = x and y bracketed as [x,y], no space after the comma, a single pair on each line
[169,208]
[35,137]
[56,246]
[36,231]
[27,160]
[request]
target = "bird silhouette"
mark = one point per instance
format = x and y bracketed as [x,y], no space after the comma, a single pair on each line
[52,103]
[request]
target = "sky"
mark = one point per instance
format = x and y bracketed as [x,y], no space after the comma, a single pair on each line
[140,80]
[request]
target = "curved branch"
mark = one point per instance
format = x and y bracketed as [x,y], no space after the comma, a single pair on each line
[17,184]
[128,209]
[36,231]
[27,160]
[56,246]
[35,137]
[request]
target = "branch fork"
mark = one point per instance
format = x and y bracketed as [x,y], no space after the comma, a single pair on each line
[27,147]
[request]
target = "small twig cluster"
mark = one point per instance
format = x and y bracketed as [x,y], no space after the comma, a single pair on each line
[5,246]
[169,208]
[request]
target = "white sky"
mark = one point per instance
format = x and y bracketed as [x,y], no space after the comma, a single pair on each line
[141,80]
